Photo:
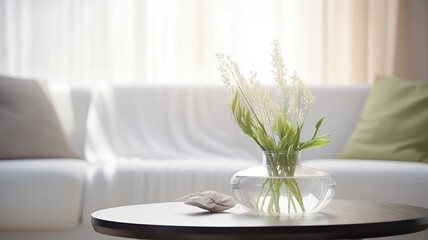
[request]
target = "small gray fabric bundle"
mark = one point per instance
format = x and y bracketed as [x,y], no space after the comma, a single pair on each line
[209,200]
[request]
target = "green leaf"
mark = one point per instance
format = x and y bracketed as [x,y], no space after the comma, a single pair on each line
[263,139]
[280,127]
[271,143]
[282,143]
[291,135]
[260,136]
[317,126]
[234,102]
[296,140]
[315,143]
[247,118]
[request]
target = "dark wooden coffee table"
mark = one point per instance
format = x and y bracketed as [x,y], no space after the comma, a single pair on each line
[341,219]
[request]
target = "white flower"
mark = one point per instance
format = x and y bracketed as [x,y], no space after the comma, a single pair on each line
[279,70]
[300,98]
[267,122]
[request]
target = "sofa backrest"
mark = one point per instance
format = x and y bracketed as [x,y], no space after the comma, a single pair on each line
[71,105]
[162,122]
[192,122]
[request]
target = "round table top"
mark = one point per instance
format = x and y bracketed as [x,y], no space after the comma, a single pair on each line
[340,219]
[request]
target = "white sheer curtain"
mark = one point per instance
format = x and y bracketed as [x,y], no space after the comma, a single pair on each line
[174,42]
[155,41]
[366,38]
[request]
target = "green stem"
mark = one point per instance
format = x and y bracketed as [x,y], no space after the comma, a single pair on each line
[280,180]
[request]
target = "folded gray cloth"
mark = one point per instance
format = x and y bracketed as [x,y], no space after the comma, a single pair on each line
[209,200]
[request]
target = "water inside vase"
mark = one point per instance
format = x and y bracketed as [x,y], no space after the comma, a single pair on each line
[253,189]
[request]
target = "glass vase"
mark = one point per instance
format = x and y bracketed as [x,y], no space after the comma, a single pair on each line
[281,186]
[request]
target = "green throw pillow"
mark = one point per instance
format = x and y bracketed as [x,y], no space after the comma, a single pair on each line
[393,124]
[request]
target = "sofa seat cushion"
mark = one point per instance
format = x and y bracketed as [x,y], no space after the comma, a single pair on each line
[41,193]
[140,181]
[377,180]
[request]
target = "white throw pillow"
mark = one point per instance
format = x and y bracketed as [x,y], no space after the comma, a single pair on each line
[29,125]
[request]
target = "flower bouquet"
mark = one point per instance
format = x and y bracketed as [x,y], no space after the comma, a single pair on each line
[275,126]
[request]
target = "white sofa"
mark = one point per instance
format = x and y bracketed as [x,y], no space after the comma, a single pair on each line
[142,144]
